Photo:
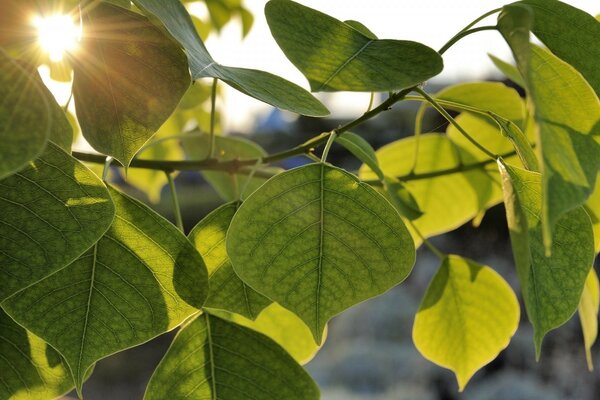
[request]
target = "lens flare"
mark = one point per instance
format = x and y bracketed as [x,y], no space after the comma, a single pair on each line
[57,35]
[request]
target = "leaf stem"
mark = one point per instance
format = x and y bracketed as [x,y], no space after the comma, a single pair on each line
[437,252]
[448,117]
[175,201]
[213,100]
[462,34]
[330,141]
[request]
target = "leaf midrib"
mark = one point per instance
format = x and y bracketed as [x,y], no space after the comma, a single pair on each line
[344,65]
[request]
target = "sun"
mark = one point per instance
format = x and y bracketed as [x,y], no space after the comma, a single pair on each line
[57,34]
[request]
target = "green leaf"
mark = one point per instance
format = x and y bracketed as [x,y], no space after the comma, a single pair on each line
[31,370]
[227,291]
[570,156]
[229,362]
[261,85]
[592,206]
[227,185]
[335,56]
[402,198]
[317,240]
[284,327]
[553,24]
[588,314]
[489,96]
[467,317]
[361,150]
[61,131]
[359,26]
[50,213]
[143,278]
[128,79]
[551,285]
[25,118]
[509,70]
[448,193]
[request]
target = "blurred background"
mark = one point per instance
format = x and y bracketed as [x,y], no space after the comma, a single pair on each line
[369,352]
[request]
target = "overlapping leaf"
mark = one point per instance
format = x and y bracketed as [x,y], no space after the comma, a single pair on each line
[551,285]
[261,85]
[317,240]
[570,156]
[31,370]
[25,118]
[284,327]
[468,315]
[448,193]
[335,56]
[211,358]
[227,291]
[141,279]
[50,213]
[128,79]
[553,24]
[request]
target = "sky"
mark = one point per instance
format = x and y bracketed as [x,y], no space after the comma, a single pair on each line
[431,22]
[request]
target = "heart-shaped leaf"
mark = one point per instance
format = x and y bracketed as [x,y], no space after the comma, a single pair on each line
[317,240]
[335,56]
[143,278]
[128,78]
[50,213]
[211,358]
[468,315]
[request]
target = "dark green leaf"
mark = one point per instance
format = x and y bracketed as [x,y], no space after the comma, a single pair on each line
[50,213]
[571,34]
[317,240]
[31,370]
[335,56]
[143,278]
[551,286]
[227,291]
[259,84]
[361,28]
[25,118]
[129,77]
[361,150]
[402,199]
[229,362]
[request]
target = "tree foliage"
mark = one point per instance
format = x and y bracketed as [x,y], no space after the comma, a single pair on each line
[86,270]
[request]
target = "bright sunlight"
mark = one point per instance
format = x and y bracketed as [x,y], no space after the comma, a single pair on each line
[57,35]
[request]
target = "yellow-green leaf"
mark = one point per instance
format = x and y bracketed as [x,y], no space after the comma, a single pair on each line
[468,315]
[588,314]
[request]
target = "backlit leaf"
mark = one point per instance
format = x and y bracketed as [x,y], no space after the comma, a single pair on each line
[468,315]
[25,118]
[229,362]
[551,286]
[588,314]
[447,200]
[284,327]
[261,85]
[361,150]
[227,291]
[129,77]
[509,70]
[335,56]
[317,240]
[143,278]
[31,370]
[50,213]
[592,206]
[553,24]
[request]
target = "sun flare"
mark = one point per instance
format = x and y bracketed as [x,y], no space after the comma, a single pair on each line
[57,34]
